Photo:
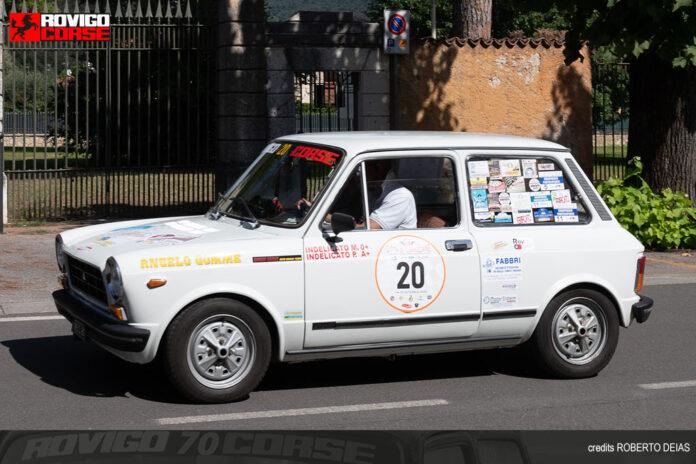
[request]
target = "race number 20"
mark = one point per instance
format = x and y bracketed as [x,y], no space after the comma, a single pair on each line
[410,273]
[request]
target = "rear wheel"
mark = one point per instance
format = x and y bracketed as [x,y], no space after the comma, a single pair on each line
[217,351]
[577,335]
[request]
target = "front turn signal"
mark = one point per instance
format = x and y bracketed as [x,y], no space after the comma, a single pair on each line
[156,283]
[119,312]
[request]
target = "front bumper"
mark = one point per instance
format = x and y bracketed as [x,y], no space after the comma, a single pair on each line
[99,327]
[642,309]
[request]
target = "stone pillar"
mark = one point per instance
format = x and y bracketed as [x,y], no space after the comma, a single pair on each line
[241,80]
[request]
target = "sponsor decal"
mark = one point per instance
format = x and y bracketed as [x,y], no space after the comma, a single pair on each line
[561,198]
[276,259]
[318,155]
[409,273]
[187,261]
[493,202]
[551,180]
[478,169]
[494,169]
[543,215]
[499,245]
[521,208]
[484,216]
[534,185]
[480,200]
[523,244]
[271,148]
[514,184]
[541,200]
[339,251]
[503,217]
[568,213]
[498,301]
[496,186]
[510,167]
[50,27]
[501,268]
[505,202]
[478,183]
[546,166]
[293,315]
[529,168]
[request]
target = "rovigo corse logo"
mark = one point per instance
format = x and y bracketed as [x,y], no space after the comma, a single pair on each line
[38,27]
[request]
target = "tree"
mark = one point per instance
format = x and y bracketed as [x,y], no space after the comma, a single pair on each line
[658,37]
[472,18]
[420,15]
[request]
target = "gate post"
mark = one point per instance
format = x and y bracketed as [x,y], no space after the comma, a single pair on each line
[241,87]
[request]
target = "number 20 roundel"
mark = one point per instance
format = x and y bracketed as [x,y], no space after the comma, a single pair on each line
[409,273]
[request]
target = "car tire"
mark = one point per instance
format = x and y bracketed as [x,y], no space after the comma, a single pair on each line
[217,351]
[577,334]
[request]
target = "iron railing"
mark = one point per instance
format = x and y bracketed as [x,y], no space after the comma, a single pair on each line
[326,101]
[610,112]
[117,128]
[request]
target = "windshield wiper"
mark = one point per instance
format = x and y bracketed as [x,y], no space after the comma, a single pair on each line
[254,223]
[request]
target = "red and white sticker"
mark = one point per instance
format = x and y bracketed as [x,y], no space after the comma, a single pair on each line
[409,273]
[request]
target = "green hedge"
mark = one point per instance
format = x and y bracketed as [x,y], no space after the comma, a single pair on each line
[664,220]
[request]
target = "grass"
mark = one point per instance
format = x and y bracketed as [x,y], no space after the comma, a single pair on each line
[36,158]
[33,196]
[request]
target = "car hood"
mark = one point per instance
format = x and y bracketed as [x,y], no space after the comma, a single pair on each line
[95,244]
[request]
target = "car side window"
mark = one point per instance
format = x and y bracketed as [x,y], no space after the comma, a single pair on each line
[402,193]
[524,190]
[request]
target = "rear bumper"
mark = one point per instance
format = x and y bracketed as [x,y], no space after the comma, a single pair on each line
[99,327]
[642,309]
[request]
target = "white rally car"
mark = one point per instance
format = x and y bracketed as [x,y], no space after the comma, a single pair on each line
[364,244]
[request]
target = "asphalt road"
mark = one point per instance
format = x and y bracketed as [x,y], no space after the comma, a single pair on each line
[51,381]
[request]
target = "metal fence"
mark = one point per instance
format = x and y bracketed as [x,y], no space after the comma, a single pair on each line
[326,101]
[127,123]
[610,112]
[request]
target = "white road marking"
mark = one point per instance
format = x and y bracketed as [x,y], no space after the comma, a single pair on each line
[664,385]
[30,318]
[298,412]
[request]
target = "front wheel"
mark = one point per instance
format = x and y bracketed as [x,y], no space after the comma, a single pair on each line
[217,351]
[577,335]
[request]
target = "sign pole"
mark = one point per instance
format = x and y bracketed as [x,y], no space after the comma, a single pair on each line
[396,42]
[393,92]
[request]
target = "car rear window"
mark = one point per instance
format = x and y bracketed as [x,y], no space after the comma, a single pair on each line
[522,190]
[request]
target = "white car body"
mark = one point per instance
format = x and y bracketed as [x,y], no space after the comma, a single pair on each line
[321,304]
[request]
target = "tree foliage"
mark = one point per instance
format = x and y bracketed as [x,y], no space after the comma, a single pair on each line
[665,28]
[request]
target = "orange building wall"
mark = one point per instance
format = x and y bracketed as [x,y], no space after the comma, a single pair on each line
[519,87]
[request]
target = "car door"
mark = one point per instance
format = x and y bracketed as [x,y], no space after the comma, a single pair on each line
[369,286]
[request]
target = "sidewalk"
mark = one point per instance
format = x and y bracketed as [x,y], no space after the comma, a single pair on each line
[28,269]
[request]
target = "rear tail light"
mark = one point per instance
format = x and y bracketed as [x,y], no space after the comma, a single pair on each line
[640,272]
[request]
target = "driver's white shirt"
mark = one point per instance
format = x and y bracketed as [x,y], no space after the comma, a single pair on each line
[396,207]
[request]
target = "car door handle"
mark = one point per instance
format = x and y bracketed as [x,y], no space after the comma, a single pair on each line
[458,245]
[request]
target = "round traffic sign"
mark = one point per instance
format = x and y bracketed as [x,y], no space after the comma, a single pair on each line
[397,24]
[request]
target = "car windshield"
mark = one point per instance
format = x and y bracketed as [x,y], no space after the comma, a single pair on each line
[283,185]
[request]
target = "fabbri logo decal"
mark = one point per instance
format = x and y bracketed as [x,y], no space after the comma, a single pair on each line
[40,27]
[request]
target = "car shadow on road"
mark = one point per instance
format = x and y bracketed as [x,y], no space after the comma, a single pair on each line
[357,371]
[83,369]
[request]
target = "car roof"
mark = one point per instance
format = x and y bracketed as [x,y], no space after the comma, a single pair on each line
[362,141]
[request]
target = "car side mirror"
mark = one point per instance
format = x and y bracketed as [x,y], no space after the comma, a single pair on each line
[341,222]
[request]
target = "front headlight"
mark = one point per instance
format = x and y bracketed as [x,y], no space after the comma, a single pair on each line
[60,256]
[113,281]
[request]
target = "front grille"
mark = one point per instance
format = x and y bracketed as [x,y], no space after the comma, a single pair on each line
[86,278]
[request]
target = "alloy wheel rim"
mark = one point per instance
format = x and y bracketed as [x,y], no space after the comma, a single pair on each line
[221,351]
[579,331]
